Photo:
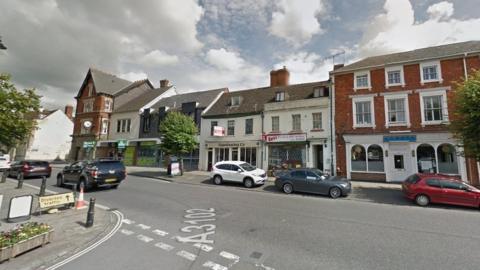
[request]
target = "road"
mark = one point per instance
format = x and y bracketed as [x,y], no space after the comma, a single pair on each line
[269,230]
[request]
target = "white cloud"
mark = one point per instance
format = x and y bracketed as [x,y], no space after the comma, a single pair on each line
[296,21]
[158,58]
[396,29]
[133,76]
[305,67]
[224,59]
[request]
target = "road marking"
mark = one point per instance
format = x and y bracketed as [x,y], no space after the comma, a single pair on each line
[144,238]
[187,255]
[264,267]
[159,232]
[143,226]
[164,246]
[214,266]
[229,256]
[203,247]
[126,232]
[128,221]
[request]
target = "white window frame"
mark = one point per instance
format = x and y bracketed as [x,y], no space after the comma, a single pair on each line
[427,93]
[236,101]
[278,123]
[246,121]
[228,127]
[299,122]
[280,96]
[109,107]
[386,98]
[320,120]
[124,125]
[402,77]
[86,104]
[104,126]
[439,71]
[362,73]
[354,110]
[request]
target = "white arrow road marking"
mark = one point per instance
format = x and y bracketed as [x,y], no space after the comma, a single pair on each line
[126,232]
[143,226]
[144,238]
[203,247]
[214,266]
[164,246]
[128,221]
[187,255]
[159,232]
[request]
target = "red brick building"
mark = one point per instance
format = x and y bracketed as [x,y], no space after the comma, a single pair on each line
[392,113]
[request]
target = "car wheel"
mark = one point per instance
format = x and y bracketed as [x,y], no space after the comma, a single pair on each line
[59,180]
[248,182]
[335,192]
[422,200]
[217,180]
[287,188]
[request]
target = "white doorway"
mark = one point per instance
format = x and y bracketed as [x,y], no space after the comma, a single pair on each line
[399,162]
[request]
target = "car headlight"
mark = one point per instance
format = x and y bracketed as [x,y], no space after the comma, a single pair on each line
[344,185]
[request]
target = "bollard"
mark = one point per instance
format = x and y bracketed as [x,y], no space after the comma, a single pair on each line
[90,213]
[43,186]
[4,176]
[20,181]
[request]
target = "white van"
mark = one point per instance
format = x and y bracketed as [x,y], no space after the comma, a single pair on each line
[4,162]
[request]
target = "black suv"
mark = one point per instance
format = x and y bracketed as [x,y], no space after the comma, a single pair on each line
[90,174]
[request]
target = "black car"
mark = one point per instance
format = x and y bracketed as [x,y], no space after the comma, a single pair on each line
[91,174]
[30,168]
[312,181]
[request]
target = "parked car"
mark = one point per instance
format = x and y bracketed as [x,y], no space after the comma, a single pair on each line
[30,168]
[4,162]
[438,188]
[238,171]
[92,174]
[312,181]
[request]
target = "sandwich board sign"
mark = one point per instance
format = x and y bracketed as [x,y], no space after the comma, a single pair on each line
[20,208]
[61,199]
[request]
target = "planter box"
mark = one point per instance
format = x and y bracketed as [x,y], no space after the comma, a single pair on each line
[23,246]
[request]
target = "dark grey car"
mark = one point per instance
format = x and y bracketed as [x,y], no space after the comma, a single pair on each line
[312,181]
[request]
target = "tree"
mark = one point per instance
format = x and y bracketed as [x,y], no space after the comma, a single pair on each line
[466,121]
[178,135]
[15,105]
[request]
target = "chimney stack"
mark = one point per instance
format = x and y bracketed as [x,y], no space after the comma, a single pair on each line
[69,111]
[164,83]
[280,77]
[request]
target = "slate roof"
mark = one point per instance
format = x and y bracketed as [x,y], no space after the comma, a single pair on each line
[252,100]
[436,52]
[104,82]
[137,103]
[204,98]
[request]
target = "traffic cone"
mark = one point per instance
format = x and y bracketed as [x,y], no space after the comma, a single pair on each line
[80,203]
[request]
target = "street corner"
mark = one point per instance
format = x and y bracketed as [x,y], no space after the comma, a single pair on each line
[38,237]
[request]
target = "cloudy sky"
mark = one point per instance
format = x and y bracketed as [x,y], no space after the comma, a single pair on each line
[205,44]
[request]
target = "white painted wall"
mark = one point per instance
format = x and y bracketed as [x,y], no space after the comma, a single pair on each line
[52,137]
[134,126]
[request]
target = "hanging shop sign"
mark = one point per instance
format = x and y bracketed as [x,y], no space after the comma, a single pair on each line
[273,138]
[121,144]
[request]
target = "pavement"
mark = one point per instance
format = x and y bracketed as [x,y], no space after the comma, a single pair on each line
[70,235]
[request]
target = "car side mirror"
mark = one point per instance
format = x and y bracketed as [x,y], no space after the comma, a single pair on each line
[239,170]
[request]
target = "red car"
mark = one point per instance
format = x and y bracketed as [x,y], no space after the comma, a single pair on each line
[438,188]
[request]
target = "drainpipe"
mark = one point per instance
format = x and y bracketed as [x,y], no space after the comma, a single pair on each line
[262,116]
[465,66]
[332,146]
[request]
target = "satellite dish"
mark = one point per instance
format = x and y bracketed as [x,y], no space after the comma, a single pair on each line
[87,124]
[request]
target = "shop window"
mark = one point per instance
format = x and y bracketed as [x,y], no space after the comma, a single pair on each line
[221,154]
[359,162]
[426,159]
[235,154]
[231,127]
[287,156]
[249,155]
[375,158]
[447,159]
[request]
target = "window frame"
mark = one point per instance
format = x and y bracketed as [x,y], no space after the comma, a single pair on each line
[109,107]
[89,103]
[251,126]
[277,130]
[124,125]
[228,127]
[235,101]
[372,111]
[362,73]
[445,118]
[406,108]
[318,121]
[280,96]
[104,126]
[402,76]
[428,64]
[299,122]
[212,127]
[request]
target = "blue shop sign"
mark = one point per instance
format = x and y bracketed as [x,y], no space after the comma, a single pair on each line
[402,138]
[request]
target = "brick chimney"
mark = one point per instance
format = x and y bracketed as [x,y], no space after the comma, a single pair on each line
[280,77]
[164,83]
[69,111]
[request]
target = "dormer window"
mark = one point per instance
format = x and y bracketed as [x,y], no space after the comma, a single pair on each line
[362,80]
[280,96]
[235,101]
[320,92]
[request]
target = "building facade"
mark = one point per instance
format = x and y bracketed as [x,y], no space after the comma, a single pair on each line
[392,114]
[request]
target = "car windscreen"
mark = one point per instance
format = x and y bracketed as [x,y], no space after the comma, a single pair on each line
[412,179]
[247,167]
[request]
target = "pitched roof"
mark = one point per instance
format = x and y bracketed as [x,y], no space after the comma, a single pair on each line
[436,52]
[203,98]
[104,82]
[133,85]
[137,103]
[253,100]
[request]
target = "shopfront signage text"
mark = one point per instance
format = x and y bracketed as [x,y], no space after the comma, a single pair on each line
[121,144]
[401,138]
[271,138]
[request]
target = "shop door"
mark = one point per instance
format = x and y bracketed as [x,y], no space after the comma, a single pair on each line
[400,161]
[210,159]
[319,157]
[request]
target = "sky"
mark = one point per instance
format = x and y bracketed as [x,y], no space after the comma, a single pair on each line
[208,44]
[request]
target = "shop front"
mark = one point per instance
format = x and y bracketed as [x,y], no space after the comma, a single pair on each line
[286,151]
[247,151]
[393,158]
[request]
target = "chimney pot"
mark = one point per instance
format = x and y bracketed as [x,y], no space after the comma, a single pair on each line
[69,111]
[164,83]
[280,77]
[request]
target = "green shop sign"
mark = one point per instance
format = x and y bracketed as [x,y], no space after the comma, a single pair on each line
[89,144]
[121,144]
